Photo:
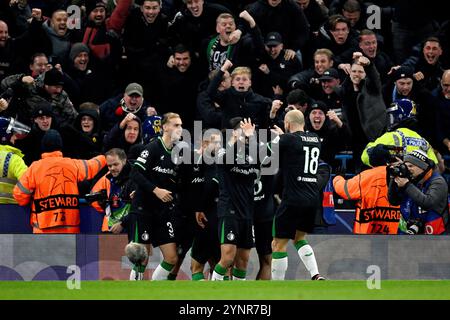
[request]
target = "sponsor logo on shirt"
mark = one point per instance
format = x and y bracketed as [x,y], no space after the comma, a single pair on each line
[163,170]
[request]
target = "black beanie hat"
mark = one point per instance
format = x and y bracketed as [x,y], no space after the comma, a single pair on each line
[53,78]
[318,105]
[43,109]
[51,141]
[92,4]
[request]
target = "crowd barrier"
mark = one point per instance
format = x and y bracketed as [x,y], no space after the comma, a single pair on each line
[16,219]
[339,257]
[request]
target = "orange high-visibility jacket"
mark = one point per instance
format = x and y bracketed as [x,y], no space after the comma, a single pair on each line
[50,184]
[103,183]
[374,213]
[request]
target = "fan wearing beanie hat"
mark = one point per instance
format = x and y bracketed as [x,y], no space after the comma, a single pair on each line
[51,141]
[317,114]
[95,11]
[93,4]
[53,77]
[76,49]
[419,159]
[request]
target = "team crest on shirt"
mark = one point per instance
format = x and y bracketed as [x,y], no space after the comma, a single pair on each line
[230,236]
[145,236]
[144,154]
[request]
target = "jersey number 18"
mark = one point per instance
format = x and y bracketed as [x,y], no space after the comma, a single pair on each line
[311,159]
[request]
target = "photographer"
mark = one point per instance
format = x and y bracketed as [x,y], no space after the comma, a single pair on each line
[422,193]
[112,193]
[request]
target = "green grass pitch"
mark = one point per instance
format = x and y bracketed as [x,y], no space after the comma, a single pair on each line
[228,290]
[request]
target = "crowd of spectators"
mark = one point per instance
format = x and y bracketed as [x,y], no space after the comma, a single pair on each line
[61,67]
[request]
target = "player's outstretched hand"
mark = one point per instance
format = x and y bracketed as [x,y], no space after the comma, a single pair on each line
[247,127]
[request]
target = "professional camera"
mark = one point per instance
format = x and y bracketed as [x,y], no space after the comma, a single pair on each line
[414,226]
[100,196]
[400,170]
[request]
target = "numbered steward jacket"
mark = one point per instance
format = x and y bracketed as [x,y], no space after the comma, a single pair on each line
[374,213]
[50,184]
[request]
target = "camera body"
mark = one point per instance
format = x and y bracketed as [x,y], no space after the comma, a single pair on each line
[100,196]
[400,170]
[414,226]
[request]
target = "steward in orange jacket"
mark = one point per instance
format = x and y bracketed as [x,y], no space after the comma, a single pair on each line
[374,213]
[50,184]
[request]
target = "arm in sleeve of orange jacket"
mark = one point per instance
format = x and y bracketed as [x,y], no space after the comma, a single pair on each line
[103,183]
[24,188]
[348,189]
[87,169]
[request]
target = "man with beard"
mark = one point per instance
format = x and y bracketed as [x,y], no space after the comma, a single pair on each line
[28,92]
[51,91]
[102,34]
[116,207]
